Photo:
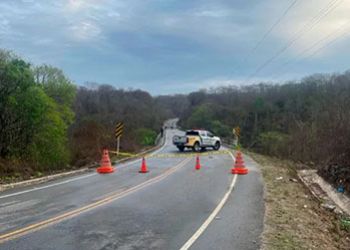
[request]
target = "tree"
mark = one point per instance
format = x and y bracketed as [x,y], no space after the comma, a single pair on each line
[57,86]
[33,127]
[48,149]
[18,116]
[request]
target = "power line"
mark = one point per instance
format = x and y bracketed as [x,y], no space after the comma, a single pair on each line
[307,27]
[327,44]
[274,26]
[268,32]
[323,47]
[314,45]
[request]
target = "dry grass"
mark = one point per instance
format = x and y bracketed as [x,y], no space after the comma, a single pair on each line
[294,219]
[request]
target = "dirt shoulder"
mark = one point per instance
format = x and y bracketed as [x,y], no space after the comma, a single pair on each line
[293,217]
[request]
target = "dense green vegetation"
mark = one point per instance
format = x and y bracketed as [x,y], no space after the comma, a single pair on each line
[47,123]
[35,116]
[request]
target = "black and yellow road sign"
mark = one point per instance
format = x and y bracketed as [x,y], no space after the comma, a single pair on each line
[119,130]
[237,131]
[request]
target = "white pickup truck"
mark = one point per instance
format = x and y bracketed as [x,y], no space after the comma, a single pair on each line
[197,140]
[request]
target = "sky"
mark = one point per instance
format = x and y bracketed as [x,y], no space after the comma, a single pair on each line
[179,46]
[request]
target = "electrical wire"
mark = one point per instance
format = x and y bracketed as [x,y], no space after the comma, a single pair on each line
[279,20]
[307,27]
[268,32]
[302,54]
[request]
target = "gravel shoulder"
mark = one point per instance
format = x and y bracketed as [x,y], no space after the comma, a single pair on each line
[293,217]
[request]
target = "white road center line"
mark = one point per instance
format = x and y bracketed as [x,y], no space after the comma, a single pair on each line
[212,216]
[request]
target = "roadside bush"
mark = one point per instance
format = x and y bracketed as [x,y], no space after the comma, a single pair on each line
[49,149]
[272,143]
[88,138]
[146,137]
[201,117]
[220,129]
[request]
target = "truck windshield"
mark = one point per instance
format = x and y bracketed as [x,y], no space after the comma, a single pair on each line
[191,132]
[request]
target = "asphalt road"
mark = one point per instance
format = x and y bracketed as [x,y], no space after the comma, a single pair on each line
[163,209]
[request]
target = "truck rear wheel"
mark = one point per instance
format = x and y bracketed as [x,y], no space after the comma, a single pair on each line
[181,148]
[196,147]
[217,146]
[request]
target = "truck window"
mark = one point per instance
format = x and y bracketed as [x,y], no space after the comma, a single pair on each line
[192,132]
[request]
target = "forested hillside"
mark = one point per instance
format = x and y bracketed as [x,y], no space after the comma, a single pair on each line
[48,124]
[306,121]
[99,110]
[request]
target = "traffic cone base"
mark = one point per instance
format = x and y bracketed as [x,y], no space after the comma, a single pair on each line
[239,166]
[105,170]
[240,171]
[198,164]
[143,169]
[106,166]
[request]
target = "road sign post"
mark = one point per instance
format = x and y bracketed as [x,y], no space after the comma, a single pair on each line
[236,134]
[118,133]
[118,145]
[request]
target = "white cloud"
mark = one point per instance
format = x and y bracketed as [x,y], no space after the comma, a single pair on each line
[4,26]
[215,82]
[213,13]
[113,14]
[76,5]
[88,20]
[223,81]
[203,38]
[43,41]
[85,31]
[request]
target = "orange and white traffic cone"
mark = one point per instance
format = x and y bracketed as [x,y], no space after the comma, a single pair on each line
[239,166]
[198,164]
[105,165]
[143,168]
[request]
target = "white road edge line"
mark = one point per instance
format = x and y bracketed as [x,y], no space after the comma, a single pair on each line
[73,179]
[47,186]
[212,216]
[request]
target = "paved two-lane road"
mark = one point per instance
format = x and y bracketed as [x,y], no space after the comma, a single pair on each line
[163,209]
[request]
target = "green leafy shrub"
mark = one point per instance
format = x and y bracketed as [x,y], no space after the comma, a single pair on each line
[146,137]
[49,145]
[220,129]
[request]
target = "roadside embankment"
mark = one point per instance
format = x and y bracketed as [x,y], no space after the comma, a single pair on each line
[294,218]
[90,168]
